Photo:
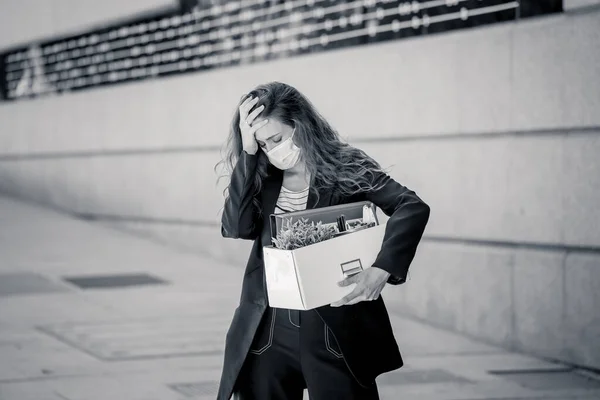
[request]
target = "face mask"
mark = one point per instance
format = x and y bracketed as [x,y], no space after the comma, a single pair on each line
[285,155]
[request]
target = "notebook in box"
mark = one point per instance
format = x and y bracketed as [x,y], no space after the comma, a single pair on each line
[325,215]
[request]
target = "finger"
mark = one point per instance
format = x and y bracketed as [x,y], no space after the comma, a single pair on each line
[338,303]
[254,114]
[353,294]
[255,127]
[349,280]
[356,300]
[343,301]
[349,301]
[247,106]
[242,108]
[372,294]
[246,100]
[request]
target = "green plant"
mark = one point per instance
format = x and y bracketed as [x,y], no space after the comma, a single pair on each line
[301,233]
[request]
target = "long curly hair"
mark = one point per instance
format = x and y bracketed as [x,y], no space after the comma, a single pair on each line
[333,165]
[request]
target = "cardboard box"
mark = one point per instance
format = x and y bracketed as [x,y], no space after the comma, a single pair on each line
[306,278]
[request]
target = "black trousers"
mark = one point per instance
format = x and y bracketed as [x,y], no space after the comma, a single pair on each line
[294,350]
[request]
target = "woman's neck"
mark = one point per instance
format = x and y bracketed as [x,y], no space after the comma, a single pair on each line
[299,171]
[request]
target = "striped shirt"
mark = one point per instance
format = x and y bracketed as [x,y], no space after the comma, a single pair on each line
[290,201]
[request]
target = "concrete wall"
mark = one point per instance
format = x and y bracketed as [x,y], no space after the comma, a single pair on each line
[576,4]
[496,128]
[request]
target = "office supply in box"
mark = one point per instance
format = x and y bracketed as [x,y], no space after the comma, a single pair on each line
[307,277]
[326,215]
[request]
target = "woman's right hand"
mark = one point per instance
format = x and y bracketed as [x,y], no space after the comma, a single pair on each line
[249,143]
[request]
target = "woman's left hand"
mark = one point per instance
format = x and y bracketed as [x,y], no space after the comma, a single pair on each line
[369,284]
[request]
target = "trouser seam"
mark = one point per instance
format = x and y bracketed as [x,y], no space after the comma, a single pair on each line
[290,318]
[270,342]
[328,345]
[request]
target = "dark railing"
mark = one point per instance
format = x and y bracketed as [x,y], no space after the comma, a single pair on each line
[205,36]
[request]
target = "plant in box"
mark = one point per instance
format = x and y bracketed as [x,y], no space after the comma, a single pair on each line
[301,233]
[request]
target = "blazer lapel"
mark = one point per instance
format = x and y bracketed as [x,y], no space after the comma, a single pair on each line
[270,193]
[272,187]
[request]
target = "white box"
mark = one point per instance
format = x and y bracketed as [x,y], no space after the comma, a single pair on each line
[306,278]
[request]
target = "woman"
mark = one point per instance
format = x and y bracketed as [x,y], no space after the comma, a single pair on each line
[284,156]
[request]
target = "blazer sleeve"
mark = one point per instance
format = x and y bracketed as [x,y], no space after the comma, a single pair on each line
[240,219]
[408,217]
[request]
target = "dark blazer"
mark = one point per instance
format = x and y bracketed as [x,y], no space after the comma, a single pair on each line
[363,330]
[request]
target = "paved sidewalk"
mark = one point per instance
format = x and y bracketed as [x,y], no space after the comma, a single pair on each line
[164,340]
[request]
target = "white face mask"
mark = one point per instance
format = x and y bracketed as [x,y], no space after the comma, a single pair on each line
[286,154]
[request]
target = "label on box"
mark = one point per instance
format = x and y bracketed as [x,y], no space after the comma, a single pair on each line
[353,267]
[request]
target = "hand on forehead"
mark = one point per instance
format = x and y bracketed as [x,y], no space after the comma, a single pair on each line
[272,129]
